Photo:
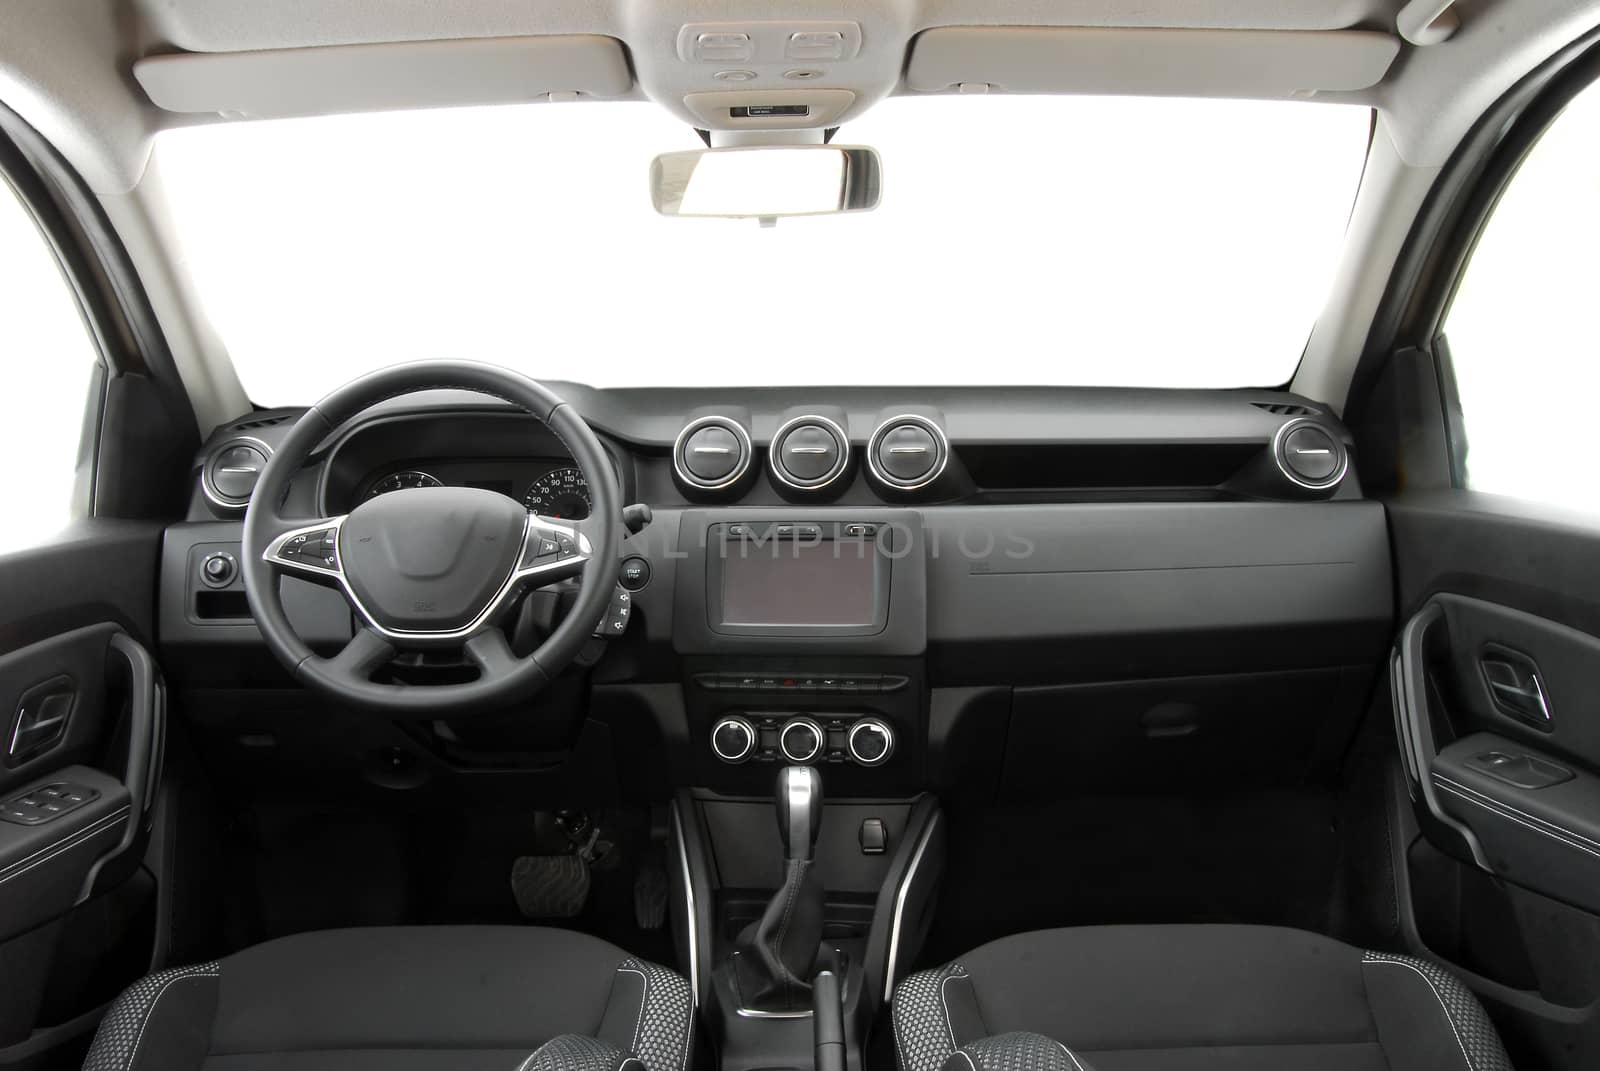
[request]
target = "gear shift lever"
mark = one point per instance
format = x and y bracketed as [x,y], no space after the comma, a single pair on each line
[779,952]
[799,811]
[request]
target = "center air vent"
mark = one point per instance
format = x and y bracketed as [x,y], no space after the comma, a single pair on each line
[908,452]
[809,453]
[230,473]
[712,453]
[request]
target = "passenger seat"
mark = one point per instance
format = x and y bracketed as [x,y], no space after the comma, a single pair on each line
[1189,998]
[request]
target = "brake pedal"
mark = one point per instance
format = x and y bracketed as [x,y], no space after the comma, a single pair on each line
[550,886]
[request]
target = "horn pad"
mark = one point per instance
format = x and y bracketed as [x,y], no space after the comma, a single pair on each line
[431,559]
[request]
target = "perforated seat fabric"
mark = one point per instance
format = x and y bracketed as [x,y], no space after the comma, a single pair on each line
[1191,998]
[471,998]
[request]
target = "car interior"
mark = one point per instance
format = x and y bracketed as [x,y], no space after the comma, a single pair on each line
[908,535]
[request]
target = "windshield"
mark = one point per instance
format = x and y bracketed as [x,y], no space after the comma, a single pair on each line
[1020,241]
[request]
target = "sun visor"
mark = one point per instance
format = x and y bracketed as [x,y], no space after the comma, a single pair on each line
[380,77]
[1153,62]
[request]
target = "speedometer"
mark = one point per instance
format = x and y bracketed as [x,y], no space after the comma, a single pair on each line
[399,481]
[562,493]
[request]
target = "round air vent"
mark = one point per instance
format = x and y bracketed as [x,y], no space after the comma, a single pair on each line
[908,452]
[712,453]
[1310,455]
[230,473]
[809,453]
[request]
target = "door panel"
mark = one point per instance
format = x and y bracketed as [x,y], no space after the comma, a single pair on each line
[1496,686]
[82,727]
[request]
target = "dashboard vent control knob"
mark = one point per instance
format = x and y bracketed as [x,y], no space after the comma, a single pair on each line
[809,453]
[802,740]
[908,452]
[1310,455]
[871,742]
[230,474]
[733,739]
[712,453]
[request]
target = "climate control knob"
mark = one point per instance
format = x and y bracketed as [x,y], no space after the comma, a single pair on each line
[733,739]
[802,740]
[871,742]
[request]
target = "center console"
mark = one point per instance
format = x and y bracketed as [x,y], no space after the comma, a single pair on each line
[808,855]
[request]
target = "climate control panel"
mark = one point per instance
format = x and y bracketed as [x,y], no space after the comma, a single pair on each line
[802,738]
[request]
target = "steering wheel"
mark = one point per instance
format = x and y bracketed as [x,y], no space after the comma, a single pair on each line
[432,567]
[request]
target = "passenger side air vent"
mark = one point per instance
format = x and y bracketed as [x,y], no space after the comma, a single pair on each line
[229,475]
[712,453]
[907,452]
[1309,455]
[809,453]
[1284,408]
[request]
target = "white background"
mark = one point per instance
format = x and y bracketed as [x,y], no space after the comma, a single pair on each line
[1020,240]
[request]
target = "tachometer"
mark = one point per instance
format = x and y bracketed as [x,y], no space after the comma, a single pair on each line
[399,481]
[560,493]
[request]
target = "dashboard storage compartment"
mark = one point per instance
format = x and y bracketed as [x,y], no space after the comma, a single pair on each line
[1186,734]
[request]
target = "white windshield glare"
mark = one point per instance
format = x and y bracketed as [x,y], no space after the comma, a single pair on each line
[1020,240]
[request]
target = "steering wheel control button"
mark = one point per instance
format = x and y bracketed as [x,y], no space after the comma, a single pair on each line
[801,740]
[218,569]
[733,739]
[634,574]
[871,742]
[615,622]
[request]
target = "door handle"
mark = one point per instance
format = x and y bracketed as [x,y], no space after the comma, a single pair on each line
[1517,688]
[41,719]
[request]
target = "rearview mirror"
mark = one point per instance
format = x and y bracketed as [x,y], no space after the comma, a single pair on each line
[766,182]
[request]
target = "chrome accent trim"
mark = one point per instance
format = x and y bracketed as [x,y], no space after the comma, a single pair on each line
[941,443]
[1282,434]
[746,447]
[742,724]
[900,908]
[783,476]
[688,896]
[757,1013]
[801,723]
[888,738]
[534,523]
[217,498]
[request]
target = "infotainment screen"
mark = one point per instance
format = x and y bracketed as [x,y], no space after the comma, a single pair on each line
[824,582]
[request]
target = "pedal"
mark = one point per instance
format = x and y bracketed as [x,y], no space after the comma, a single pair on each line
[550,886]
[650,891]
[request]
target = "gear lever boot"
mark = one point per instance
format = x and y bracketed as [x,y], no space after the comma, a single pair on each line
[778,954]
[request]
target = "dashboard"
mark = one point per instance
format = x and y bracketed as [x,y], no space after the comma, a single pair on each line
[1192,566]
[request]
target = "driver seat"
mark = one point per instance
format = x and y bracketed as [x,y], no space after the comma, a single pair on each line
[466,998]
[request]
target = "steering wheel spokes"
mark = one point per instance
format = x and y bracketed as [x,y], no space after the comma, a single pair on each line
[433,567]
[551,550]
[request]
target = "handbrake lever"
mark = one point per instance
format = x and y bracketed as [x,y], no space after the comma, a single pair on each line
[827,1019]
